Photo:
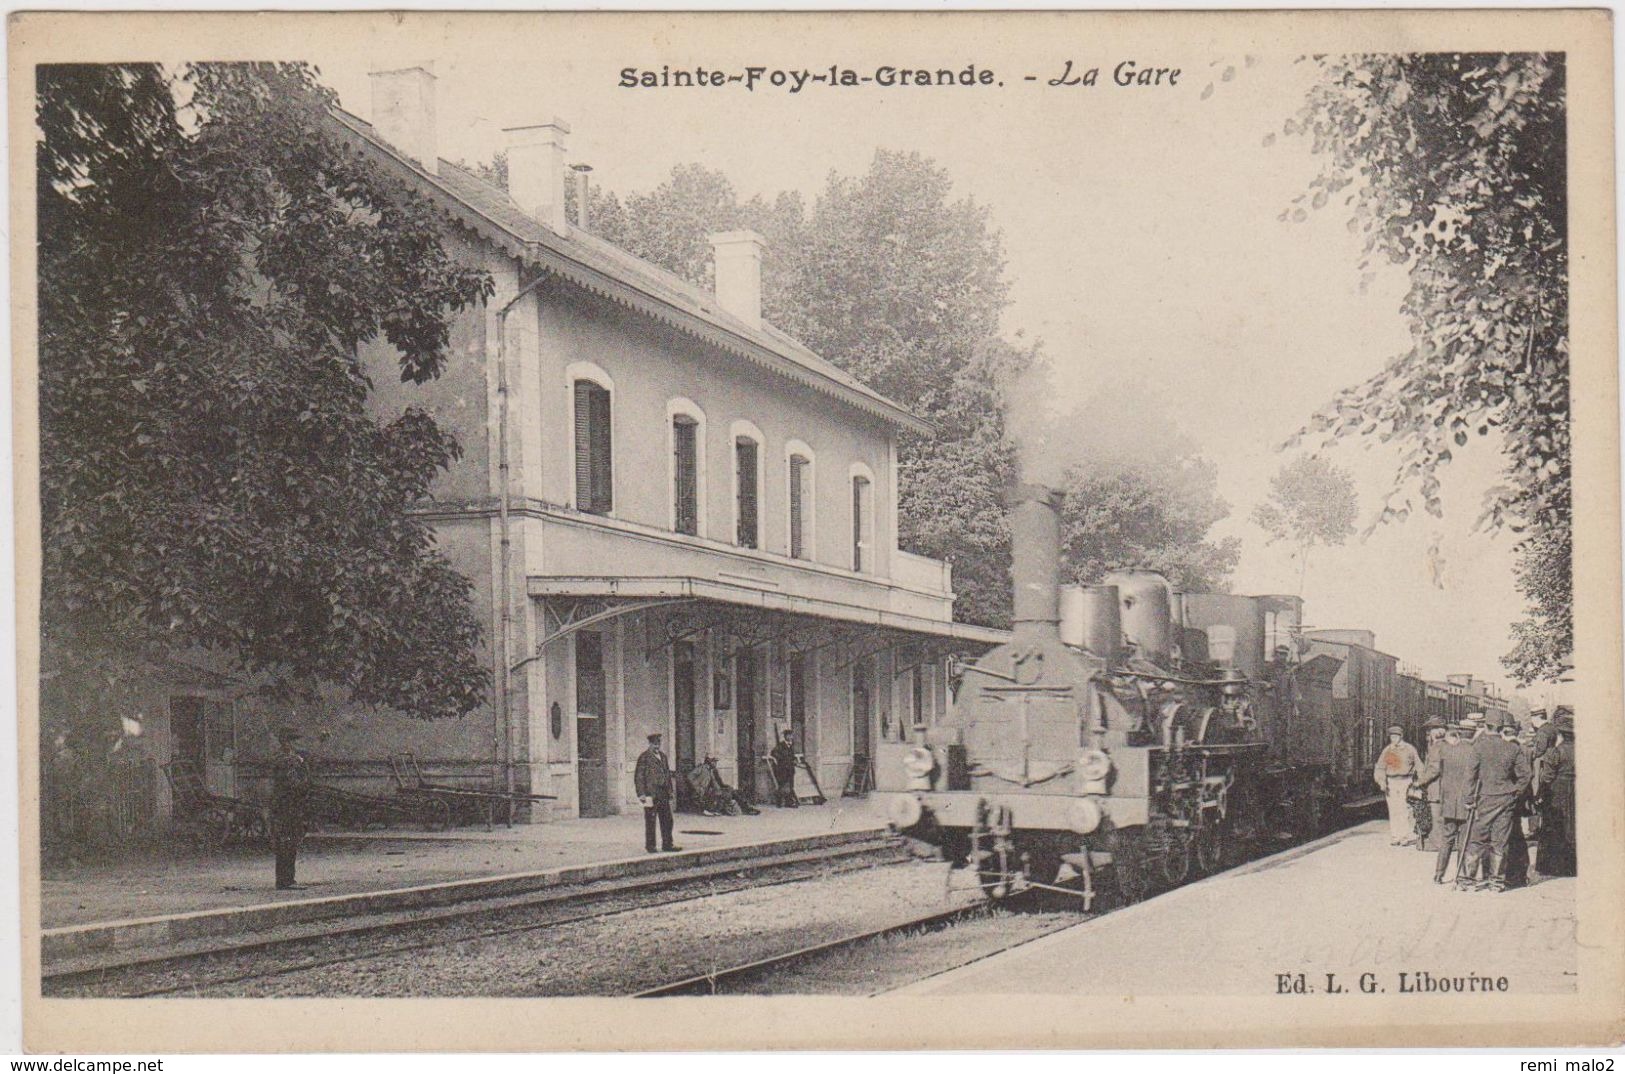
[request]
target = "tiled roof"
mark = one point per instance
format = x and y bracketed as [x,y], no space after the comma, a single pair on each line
[606,269]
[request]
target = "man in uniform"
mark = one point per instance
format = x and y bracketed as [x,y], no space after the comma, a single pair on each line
[653,782]
[1557,854]
[290,797]
[1397,768]
[1427,785]
[783,759]
[1454,764]
[1500,773]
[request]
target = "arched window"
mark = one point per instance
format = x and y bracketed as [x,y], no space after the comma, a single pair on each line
[863,518]
[747,442]
[591,416]
[685,425]
[799,527]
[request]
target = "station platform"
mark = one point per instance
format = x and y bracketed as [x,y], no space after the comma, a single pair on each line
[133,897]
[1347,905]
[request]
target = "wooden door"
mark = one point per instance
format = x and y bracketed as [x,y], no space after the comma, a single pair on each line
[686,749]
[592,774]
[745,720]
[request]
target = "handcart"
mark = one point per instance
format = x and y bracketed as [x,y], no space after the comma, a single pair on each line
[349,809]
[232,819]
[465,804]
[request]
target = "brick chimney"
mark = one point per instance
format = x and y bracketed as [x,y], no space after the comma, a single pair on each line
[738,257]
[536,171]
[403,112]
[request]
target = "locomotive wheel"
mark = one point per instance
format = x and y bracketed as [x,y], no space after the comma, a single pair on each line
[1209,848]
[1129,868]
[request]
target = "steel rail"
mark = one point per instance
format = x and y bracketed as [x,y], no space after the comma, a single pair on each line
[54,983]
[705,984]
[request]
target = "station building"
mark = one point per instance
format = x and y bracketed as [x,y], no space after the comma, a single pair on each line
[675,517]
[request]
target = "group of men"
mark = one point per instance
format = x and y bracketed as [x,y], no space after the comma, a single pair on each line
[656,787]
[1485,788]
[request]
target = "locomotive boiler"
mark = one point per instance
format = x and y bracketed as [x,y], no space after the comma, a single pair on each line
[1108,738]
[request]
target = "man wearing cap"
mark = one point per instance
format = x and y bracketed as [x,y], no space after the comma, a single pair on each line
[1427,785]
[1455,794]
[290,797]
[1396,770]
[716,798]
[652,780]
[783,760]
[1501,772]
[1557,845]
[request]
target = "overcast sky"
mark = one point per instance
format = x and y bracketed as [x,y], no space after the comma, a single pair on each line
[1142,237]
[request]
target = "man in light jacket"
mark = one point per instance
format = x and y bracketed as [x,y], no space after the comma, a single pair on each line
[1396,770]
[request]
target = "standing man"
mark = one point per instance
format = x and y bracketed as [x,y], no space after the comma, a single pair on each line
[783,759]
[1501,770]
[290,798]
[1557,855]
[1397,768]
[1455,787]
[1427,785]
[653,782]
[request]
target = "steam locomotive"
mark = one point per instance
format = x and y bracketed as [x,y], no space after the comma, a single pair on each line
[1124,731]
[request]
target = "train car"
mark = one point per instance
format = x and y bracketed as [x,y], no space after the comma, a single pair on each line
[1122,727]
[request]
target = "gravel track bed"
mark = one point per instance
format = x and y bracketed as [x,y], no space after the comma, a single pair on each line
[636,949]
[215,973]
[901,958]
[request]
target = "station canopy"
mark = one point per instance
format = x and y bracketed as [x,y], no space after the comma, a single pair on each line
[752,617]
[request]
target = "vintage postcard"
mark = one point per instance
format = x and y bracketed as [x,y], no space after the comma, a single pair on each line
[906,530]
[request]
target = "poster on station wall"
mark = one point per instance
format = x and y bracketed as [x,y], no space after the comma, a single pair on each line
[1233,394]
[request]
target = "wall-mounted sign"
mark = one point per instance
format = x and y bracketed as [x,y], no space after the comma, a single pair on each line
[555,720]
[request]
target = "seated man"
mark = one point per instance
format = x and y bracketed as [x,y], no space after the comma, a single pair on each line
[713,796]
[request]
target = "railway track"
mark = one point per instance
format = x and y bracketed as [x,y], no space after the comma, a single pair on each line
[735,978]
[756,976]
[150,975]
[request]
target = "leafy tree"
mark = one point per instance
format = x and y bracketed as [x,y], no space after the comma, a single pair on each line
[1454,165]
[1311,502]
[211,477]
[1543,640]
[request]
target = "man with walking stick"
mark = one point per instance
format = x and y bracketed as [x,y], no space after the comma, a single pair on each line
[1449,771]
[1501,770]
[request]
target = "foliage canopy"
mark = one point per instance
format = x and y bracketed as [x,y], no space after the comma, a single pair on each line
[1453,165]
[212,256]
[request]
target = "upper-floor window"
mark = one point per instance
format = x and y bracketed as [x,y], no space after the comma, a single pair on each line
[685,464]
[863,520]
[595,476]
[747,485]
[799,500]
[685,429]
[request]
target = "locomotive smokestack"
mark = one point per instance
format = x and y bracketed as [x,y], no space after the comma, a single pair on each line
[1035,551]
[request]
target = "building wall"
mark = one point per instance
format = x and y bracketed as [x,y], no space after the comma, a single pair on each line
[650,367]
